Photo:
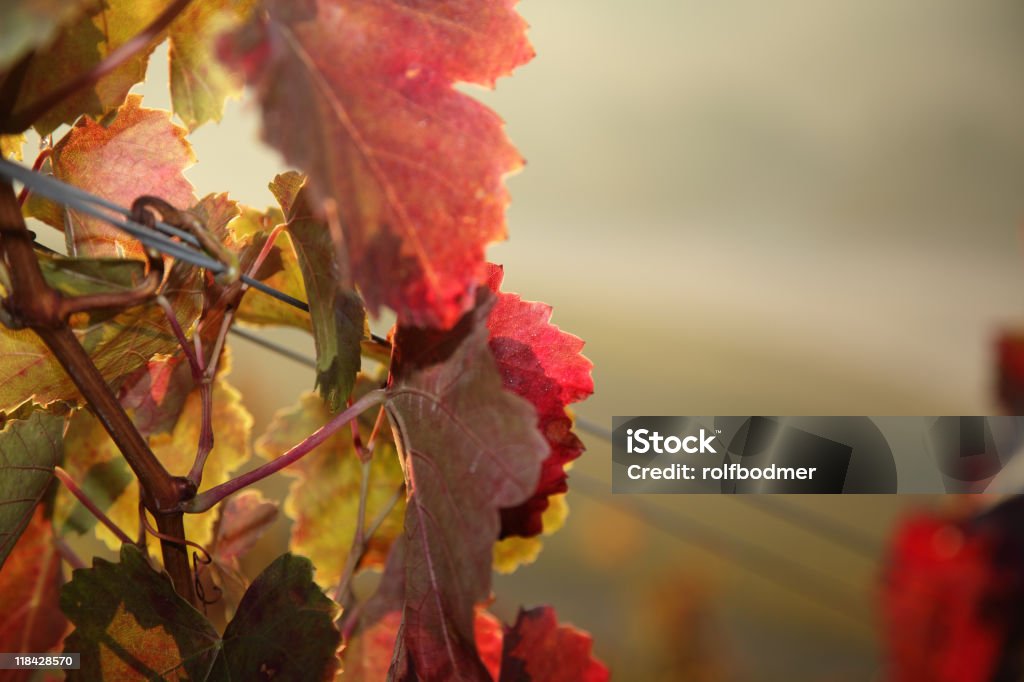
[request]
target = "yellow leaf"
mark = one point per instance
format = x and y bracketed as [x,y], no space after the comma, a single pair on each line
[514,551]
[324,498]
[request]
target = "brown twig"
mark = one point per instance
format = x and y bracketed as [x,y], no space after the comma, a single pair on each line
[32,303]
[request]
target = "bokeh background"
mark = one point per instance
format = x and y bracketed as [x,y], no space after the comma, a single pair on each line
[743,208]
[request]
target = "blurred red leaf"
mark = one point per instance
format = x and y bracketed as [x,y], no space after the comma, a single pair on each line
[949,597]
[538,649]
[468,449]
[29,595]
[543,364]
[414,167]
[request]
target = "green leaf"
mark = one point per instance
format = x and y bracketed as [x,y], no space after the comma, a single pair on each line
[131,624]
[199,83]
[28,24]
[339,318]
[30,446]
[283,629]
[79,47]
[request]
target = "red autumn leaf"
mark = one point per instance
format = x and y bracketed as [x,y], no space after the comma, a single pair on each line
[538,649]
[368,656]
[468,449]
[941,597]
[29,594]
[414,166]
[543,364]
[139,152]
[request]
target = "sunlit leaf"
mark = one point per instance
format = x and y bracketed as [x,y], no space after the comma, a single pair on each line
[468,449]
[29,584]
[11,146]
[30,446]
[514,551]
[241,520]
[200,84]
[79,47]
[118,345]
[27,24]
[138,152]
[96,462]
[538,649]
[131,624]
[339,319]
[284,628]
[543,364]
[323,499]
[415,166]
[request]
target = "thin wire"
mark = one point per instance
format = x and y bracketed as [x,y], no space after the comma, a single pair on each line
[820,587]
[54,189]
[90,204]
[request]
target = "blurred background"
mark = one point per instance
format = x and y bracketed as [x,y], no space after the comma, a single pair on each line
[743,208]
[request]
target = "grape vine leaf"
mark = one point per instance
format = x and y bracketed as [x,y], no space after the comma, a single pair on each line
[131,624]
[118,345]
[339,318]
[514,551]
[138,152]
[200,85]
[538,649]
[242,519]
[543,364]
[29,585]
[323,498]
[79,47]
[414,167]
[31,445]
[28,24]
[367,656]
[11,146]
[283,629]
[468,448]
[176,450]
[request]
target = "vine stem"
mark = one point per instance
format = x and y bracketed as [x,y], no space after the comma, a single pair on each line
[33,303]
[362,539]
[80,495]
[207,499]
[22,120]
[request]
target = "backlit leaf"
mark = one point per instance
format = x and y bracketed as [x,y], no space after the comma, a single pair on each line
[514,551]
[538,649]
[543,364]
[79,47]
[241,520]
[130,624]
[27,24]
[200,84]
[468,448]
[284,628]
[177,451]
[118,345]
[11,146]
[139,152]
[415,166]
[323,499]
[30,446]
[339,319]
[29,584]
